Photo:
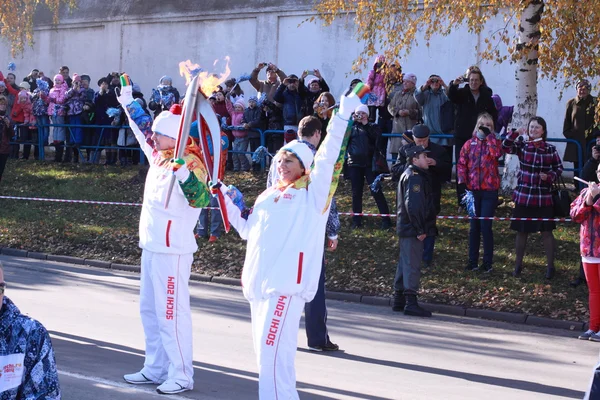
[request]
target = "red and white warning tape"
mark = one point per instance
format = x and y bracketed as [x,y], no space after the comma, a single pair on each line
[116,203]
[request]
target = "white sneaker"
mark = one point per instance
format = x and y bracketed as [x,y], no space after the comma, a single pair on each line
[172,387]
[138,379]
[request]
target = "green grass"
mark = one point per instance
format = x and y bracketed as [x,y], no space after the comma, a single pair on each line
[365,261]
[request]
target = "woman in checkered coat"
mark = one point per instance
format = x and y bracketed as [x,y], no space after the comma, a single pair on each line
[541,166]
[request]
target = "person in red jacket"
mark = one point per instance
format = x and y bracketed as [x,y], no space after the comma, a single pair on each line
[477,168]
[5,134]
[585,210]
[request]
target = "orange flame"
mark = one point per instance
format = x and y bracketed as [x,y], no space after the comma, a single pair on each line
[208,81]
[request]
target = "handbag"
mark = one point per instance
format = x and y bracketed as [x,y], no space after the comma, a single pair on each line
[380,165]
[561,198]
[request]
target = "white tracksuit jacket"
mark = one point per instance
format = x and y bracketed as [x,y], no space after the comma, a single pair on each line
[286,227]
[171,230]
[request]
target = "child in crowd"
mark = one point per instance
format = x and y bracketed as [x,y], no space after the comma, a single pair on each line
[90,135]
[76,97]
[22,116]
[40,109]
[240,143]
[56,111]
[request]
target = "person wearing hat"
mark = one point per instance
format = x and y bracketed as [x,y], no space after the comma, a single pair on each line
[285,231]
[313,89]
[168,246]
[104,99]
[579,122]
[440,170]
[362,145]
[32,79]
[164,96]
[416,221]
[292,96]
[405,110]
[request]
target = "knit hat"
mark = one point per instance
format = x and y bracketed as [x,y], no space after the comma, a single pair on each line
[25,85]
[240,103]
[167,124]
[302,152]
[583,82]
[2,83]
[410,78]
[420,131]
[253,98]
[76,78]
[165,77]
[362,108]
[59,77]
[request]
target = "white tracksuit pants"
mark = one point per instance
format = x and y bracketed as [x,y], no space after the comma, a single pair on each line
[275,324]
[166,317]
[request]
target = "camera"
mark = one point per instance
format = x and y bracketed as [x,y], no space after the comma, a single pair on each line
[309,72]
[486,131]
[435,80]
[356,117]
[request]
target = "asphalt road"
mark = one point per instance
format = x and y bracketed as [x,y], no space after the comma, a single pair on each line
[92,315]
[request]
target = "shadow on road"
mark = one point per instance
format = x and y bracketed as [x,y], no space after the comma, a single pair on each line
[484,379]
[110,361]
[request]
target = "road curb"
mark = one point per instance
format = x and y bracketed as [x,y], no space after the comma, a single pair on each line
[518,318]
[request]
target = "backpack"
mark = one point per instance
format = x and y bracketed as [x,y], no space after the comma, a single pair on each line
[447,117]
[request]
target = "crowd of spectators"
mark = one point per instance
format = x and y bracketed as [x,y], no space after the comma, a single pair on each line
[466,107]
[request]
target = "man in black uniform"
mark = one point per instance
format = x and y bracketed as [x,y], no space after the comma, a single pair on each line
[416,221]
[440,170]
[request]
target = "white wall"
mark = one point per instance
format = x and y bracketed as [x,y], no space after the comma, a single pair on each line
[150,48]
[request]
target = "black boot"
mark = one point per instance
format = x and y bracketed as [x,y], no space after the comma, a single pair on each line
[398,301]
[412,307]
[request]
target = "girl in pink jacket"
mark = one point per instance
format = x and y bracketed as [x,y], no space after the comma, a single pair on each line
[57,112]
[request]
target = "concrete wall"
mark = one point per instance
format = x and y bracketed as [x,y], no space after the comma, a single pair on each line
[131,36]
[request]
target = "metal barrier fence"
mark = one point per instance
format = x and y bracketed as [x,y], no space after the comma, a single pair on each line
[98,147]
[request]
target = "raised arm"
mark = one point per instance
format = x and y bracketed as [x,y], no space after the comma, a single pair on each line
[139,122]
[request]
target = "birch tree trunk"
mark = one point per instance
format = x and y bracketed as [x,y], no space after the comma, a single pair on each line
[526,80]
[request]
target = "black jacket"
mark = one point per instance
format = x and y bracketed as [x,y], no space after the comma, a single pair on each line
[292,103]
[361,144]
[311,97]
[589,170]
[468,109]
[439,173]
[415,208]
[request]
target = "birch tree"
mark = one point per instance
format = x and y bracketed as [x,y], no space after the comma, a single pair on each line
[16,19]
[557,40]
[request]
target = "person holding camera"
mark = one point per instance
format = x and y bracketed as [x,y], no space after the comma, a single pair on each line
[361,149]
[471,100]
[431,96]
[477,170]
[313,90]
[292,95]
[405,110]
[540,166]
[585,210]
[323,108]
[267,87]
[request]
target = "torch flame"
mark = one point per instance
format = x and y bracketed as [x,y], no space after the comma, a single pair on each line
[208,81]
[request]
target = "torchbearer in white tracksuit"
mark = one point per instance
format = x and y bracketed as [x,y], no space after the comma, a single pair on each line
[168,245]
[285,231]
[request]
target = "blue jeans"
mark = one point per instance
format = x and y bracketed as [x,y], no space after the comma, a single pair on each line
[240,161]
[486,202]
[215,220]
